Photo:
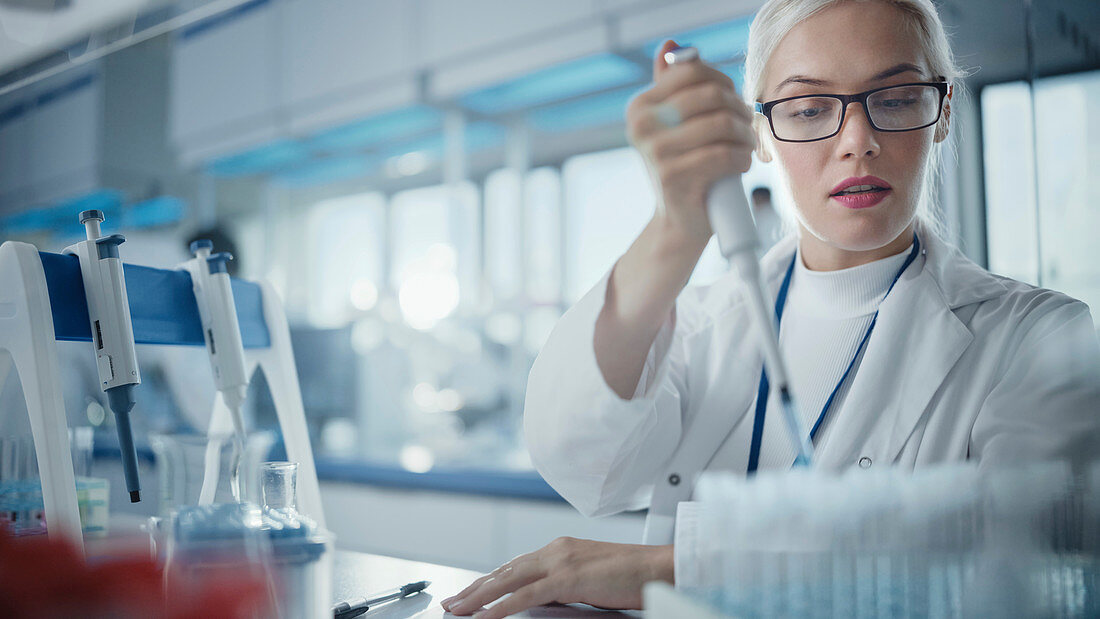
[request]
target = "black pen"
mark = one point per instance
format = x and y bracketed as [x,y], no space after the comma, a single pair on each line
[358,606]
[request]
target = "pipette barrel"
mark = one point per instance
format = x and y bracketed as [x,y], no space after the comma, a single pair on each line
[732,221]
[122,401]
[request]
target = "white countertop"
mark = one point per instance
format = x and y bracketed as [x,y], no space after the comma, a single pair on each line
[358,574]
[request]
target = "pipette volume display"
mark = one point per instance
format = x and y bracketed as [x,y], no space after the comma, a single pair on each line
[732,222]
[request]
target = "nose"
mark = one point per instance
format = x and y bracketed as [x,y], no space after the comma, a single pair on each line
[857,137]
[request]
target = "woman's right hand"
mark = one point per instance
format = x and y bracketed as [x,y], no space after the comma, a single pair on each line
[692,130]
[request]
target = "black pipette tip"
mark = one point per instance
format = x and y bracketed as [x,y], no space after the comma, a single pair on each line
[135,496]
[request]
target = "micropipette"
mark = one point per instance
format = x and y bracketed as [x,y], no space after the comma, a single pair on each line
[225,348]
[732,222]
[112,333]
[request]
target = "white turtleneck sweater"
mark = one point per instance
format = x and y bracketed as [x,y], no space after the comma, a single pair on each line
[826,315]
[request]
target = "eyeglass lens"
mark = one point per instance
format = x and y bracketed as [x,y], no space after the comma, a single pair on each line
[894,109]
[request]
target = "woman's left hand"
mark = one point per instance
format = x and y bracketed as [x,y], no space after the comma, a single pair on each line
[567,571]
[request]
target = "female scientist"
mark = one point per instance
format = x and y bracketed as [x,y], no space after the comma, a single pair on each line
[901,351]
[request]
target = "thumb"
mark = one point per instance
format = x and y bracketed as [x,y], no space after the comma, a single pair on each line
[659,64]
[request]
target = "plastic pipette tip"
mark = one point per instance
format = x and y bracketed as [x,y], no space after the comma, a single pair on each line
[135,496]
[805,449]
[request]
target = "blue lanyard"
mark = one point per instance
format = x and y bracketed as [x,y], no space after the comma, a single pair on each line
[762,392]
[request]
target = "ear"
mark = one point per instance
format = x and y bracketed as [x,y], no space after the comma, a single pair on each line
[945,119]
[763,140]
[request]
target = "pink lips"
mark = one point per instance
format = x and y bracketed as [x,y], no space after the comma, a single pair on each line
[861,200]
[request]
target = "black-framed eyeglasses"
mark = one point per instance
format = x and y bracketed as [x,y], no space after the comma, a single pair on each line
[903,107]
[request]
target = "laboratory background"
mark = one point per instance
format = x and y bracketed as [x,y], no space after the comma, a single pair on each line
[427,186]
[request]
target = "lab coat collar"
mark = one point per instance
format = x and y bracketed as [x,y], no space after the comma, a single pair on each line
[960,281]
[917,341]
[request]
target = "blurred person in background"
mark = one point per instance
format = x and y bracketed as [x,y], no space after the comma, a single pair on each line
[769,226]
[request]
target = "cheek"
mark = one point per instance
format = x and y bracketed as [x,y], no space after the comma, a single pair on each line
[903,159]
[804,168]
[910,162]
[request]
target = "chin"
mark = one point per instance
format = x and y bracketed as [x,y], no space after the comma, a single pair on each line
[857,232]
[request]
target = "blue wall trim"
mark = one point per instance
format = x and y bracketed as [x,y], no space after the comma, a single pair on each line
[480,482]
[78,84]
[512,484]
[15,111]
[220,19]
[162,305]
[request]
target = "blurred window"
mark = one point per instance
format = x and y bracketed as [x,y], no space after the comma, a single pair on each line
[502,233]
[347,237]
[1047,245]
[435,251]
[544,222]
[504,251]
[608,200]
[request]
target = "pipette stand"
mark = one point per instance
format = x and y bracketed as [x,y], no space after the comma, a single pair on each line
[28,343]
[42,301]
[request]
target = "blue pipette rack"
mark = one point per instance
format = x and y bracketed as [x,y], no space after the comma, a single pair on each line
[42,300]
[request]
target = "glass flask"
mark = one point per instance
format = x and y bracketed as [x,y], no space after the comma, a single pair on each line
[222,467]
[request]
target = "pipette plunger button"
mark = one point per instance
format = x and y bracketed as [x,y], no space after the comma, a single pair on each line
[95,214]
[201,244]
[681,54]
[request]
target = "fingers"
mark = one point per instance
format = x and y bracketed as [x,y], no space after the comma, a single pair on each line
[542,592]
[671,80]
[707,97]
[495,587]
[447,603]
[710,162]
[474,585]
[709,128]
[697,100]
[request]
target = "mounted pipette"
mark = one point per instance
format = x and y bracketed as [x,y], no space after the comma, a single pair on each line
[112,333]
[214,296]
[732,222]
[218,313]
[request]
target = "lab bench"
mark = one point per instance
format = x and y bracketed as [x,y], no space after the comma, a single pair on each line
[359,574]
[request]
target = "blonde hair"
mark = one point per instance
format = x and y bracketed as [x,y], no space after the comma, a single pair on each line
[777,17]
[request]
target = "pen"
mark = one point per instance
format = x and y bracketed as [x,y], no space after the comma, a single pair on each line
[358,606]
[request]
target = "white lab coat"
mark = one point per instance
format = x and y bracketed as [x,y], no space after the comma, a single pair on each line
[963,364]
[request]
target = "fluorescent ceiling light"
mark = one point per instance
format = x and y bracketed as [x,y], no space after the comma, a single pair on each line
[562,81]
[715,43]
[396,125]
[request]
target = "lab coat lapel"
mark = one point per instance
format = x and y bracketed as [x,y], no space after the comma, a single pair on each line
[733,395]
[724,404]
[916,342]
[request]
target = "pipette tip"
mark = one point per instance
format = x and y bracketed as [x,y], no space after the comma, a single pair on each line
[135,496]
[802,443]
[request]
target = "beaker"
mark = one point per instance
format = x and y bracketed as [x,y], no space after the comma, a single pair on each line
[280,485]
[226,468]
[301,553]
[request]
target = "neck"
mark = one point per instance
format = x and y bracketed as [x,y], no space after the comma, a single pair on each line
[818,255]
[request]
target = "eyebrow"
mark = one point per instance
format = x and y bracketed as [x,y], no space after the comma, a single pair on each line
[878,77]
